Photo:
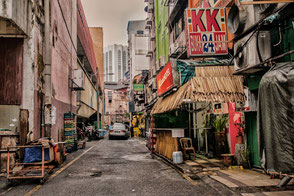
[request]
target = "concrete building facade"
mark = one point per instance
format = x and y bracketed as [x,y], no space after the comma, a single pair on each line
[97,38]
[43,44]
[116,102]
[115,63]
[137,47]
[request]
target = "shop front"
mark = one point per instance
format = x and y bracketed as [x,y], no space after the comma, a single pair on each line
[205,102]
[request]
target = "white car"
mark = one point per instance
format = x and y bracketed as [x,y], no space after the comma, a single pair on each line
[119,130]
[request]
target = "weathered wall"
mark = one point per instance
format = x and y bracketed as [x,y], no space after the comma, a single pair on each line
[18,11]
[97,38]
[9,117]
[63,60]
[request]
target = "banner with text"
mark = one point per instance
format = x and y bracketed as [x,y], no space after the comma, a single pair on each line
[206,32]
[165,79]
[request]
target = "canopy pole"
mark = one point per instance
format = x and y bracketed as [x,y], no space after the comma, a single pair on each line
[189,111]
[195,122]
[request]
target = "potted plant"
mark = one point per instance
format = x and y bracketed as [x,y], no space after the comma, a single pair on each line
[240,126]
[245,158]
[219,125]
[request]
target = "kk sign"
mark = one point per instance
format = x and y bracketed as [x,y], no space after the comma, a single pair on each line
[206,32]
[164,79]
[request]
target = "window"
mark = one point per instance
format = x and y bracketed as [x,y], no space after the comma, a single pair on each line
[119,64]
[110,67]
[124,59]
[179,27]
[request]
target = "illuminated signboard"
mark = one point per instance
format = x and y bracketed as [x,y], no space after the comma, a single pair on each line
[165,79]
[206,32]
[138,87]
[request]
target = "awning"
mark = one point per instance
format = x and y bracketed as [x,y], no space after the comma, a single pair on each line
[211,84]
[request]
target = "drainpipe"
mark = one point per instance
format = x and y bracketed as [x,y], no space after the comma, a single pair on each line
[47,106]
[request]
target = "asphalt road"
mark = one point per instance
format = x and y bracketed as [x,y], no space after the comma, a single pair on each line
[114,167]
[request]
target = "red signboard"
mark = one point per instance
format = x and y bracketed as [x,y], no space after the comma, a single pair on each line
[165,79]
[206,32]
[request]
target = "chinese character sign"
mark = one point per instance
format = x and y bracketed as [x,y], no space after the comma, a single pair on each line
[206,30]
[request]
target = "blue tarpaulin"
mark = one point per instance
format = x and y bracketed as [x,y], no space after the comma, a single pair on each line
[34,154]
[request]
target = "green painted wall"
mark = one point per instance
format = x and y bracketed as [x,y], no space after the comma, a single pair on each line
[162,36]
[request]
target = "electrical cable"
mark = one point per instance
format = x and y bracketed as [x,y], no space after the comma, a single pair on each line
[257,46]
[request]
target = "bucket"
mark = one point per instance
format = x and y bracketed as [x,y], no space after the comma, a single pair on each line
[177,157]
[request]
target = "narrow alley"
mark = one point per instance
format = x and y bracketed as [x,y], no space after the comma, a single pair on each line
[114,167]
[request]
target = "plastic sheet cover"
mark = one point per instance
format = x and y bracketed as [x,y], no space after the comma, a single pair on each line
[276,119]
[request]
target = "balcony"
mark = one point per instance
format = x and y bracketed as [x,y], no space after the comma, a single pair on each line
[150,8]
[175,6]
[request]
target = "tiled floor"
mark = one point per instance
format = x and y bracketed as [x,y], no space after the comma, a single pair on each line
[275,193]
[251,178]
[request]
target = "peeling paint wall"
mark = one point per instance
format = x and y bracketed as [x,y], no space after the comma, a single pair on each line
[63,59]
[18,11]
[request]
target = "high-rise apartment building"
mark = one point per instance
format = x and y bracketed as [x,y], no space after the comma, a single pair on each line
[115,63]
[138,47]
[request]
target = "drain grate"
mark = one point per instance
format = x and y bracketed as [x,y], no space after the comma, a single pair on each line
[96,174]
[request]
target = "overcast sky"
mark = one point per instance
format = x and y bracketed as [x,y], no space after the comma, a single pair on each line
[113,16]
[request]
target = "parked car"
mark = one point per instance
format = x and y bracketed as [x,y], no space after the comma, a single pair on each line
[119,130]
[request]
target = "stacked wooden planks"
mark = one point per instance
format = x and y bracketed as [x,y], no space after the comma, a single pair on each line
[166,144]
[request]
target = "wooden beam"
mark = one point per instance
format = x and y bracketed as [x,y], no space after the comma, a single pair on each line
[265,2]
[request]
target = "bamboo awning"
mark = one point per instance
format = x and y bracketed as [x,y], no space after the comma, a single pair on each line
[211,84]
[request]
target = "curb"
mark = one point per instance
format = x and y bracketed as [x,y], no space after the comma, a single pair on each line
[218,187]
[169,162]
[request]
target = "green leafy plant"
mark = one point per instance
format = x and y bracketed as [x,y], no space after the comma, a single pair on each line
[219,124]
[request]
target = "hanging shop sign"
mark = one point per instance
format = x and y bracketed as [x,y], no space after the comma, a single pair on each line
[206,32]
[164,79]
[138,87]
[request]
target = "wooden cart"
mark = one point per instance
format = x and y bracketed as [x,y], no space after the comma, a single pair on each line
[35,170]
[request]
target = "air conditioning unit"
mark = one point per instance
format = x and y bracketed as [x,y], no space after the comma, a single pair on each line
[78,78]
[248,55]
[241,18]
[173,48]
[162,61]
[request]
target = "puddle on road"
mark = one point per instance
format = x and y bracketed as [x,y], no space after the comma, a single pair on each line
[138,157]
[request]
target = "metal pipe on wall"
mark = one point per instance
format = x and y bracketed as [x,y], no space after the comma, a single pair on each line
[47,71]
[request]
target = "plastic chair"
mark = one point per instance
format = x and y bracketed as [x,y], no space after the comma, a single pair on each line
[186,144]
